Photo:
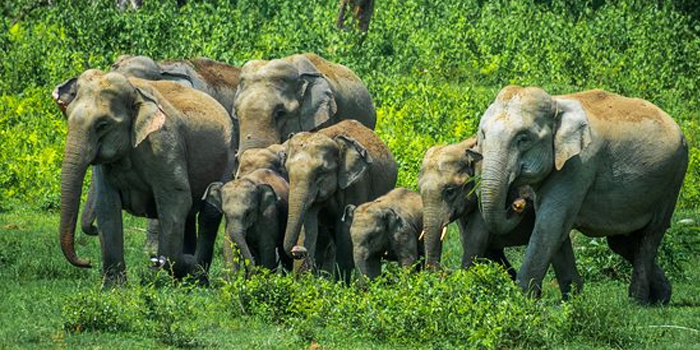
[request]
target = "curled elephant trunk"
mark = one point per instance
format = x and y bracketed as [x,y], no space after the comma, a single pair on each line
[72,174]
[298,207]
[494,195]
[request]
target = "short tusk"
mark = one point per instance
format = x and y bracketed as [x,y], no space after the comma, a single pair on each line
[422,235]
[444,233]
[519,205]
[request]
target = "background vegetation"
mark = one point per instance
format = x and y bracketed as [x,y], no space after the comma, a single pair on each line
[432,67]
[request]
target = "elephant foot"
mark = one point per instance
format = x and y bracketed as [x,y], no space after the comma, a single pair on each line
[659,288]
[112,280]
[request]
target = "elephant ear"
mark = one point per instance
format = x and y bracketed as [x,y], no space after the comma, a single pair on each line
[268,197]
[572,131]
[212,195]
[394,222]
[149,116]
[64,93]
[354,161]
[318,101]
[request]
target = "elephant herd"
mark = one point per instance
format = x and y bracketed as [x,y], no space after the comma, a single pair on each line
[284,151]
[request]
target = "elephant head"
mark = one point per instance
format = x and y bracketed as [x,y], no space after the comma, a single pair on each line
[280,97]
[524,135]
[244,203]
[319,166]
[107,116]
[271,157]
[446,181]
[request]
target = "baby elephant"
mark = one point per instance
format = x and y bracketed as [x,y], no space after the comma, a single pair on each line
[387,227]
[255,208]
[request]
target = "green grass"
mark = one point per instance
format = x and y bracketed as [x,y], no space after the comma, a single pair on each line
[432,68]
[48,304]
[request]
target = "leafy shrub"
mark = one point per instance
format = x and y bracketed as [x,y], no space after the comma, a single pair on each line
[169,314]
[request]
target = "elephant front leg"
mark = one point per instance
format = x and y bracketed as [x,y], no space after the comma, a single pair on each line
[474,237]
[173,211]
[208,221]
[111,233]
[564,264]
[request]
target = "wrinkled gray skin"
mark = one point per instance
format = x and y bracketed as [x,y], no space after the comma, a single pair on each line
[329,169]
[601,163]
[387,227]
[133,132]
[217,79]
[298,93]
[446,183]
[255,208]
[271,157]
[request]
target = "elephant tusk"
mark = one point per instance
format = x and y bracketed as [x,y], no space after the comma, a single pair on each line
[443,234]
[422,235]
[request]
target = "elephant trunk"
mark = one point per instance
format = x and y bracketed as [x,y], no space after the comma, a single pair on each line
[75,163]
[298,209]
[237,235]
[435,218]
[494,194]
[258,131]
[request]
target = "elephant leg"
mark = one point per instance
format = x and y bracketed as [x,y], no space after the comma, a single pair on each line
[559,204]
[474,237]
[653,287]
[564,264]
[152,231]
[498,256]
[208,221]
[344,256]
[111,233]
[88,216]
[173,212]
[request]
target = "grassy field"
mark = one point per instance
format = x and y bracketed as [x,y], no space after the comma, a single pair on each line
[49,304]
[432,68]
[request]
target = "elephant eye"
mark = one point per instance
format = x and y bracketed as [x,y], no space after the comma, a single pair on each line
[450,191]
[101,126]
[280,113]
[523,141]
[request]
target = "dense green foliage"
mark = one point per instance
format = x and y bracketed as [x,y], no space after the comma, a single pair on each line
[431,66]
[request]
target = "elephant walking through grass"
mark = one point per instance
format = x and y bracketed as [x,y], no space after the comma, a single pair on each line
[604,164]
[154,146]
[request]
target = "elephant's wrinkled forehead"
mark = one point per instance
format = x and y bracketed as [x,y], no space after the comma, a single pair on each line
[516,106]
[237,191]
[311,146]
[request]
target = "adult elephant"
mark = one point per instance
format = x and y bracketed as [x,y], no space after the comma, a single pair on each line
[216,79]
[299,93]
[329,169]
[601,163]
[447,187]
[154,148]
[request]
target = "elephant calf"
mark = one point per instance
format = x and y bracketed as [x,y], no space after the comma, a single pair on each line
[255,208]
[387,227]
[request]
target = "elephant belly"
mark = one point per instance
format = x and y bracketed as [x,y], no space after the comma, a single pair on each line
[139,204]
[602,216]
